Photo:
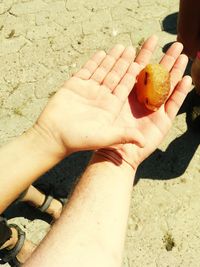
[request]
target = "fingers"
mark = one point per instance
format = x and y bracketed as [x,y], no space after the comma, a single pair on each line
[175,101]
[171,55]
[107,64]
[174,62]
[120,68]
[178,70]
[146,51]
[127,83]
[91,65]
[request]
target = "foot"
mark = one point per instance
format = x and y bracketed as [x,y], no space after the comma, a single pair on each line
[45,203]
[26,249]
[55,209]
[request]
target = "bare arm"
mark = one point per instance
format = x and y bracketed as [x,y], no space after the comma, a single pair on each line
[22,161]
[80,116]
[92,228]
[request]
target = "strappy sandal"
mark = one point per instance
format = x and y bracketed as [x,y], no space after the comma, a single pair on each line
[47,202]
[10,256]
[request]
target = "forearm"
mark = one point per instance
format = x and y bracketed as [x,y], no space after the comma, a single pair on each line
[22,161]
[92,228]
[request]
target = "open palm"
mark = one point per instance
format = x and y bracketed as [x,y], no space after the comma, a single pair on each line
[154,125]
[82,114]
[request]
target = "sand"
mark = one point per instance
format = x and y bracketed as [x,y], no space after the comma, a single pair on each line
[42,44]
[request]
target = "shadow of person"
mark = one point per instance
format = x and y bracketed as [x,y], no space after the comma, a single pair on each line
[58,182]
[169,23]
[173,162]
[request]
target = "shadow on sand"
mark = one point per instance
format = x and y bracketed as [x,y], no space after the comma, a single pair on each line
[160,165]
[169,23]
[174,161]
[58,182]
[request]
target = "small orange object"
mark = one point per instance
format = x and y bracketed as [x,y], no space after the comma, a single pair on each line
[153,86]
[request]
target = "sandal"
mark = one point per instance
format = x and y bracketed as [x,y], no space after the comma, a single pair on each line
[10,256]
[47,202]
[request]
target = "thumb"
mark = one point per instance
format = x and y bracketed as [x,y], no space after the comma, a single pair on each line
[124,135]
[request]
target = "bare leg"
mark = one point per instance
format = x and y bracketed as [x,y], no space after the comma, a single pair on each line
[189,36]
[37,198]
[189,27]
[26,250]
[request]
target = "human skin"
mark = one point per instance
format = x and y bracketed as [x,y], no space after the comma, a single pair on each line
[37,198]
[92,228]
[26,250]
[80,116]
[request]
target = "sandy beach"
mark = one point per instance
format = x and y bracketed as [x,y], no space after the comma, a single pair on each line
[42,42]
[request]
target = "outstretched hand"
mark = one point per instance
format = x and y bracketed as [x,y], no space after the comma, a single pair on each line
[154,125]
[82,114]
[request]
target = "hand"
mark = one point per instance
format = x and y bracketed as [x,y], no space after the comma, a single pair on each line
[153,125]
[82,114]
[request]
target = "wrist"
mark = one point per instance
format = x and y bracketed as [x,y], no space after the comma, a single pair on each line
[46,142]
[114,157]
